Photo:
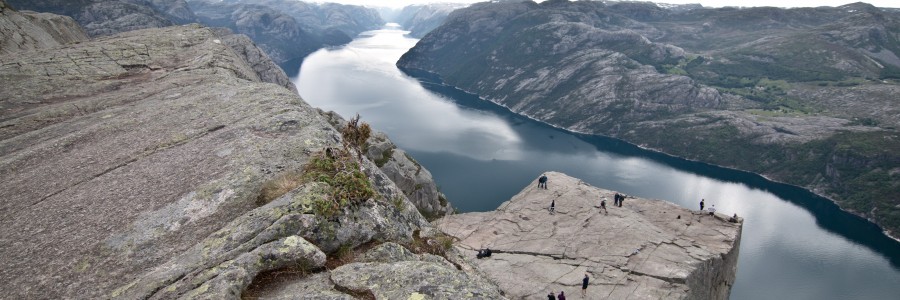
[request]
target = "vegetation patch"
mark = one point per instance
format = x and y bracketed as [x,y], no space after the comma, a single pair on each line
[418,166]
[385,157]
[347,183]
[283,183]
[437,245]
[277,277]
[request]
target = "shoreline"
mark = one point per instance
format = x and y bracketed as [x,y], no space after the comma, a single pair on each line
[427,77]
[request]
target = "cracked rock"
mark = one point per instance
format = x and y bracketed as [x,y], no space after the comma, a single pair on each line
[639,251]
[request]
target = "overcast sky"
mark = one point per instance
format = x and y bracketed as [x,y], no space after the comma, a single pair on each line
[707,3]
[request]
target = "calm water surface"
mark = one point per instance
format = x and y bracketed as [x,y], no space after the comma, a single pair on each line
[795,245]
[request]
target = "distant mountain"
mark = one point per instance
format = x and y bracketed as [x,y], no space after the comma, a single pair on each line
[805,96]
[105,17]
[421,19]
[288,30]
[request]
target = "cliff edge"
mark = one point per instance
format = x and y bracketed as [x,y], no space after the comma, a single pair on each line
[178,162]
[646,249]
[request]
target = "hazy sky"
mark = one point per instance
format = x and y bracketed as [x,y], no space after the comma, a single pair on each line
[707,3]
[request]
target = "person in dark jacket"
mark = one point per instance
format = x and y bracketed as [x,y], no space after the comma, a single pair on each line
[550,296]
[542,182]
[584,284]
[562,295]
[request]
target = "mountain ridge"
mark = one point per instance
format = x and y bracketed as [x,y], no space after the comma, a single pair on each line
[678,82]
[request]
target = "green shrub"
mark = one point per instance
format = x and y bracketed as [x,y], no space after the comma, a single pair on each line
[347,183]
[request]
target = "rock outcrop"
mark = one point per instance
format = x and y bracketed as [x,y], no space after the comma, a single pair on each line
[647,249]
[411,177]
[29,30]
[138,165]
[779,92]
[105,17]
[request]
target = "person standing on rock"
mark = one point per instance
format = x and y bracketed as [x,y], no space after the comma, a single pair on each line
[552,206]
[603,205]
[616,199]
[701,204]
[562,295]
[550,296]
[622,200]
[542,182]
[712,210]
[584,284]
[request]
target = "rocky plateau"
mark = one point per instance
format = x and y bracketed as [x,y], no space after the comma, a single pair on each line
[646,249]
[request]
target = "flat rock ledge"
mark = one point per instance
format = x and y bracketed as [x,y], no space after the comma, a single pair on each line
[647,249]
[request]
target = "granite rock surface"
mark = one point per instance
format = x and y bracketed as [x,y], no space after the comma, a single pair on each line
[646,249]
[133,166]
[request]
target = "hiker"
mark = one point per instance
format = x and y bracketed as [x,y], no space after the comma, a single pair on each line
[701,204]
[712,210]
[553,206]
[733,219]
[584,284]
[542,182]
[622,200]
[562,295]
[550,296]
[616,199]
[603,205]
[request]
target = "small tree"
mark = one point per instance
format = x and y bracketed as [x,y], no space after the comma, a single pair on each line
[355,135]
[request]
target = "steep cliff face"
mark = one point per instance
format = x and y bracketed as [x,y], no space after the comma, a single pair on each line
[768,90]
[288,31]
[160,163]
[276,32]
[422,19]
[646,249]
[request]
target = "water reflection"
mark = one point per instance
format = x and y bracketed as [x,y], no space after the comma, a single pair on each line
[656,175]
[394,102]
[795,244]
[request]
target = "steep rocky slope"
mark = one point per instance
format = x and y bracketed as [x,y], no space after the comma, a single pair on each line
[179,162]
[289,30]
[804,96]
[104,17]
[647,249]
[286,30]
[29,31]
[422,19]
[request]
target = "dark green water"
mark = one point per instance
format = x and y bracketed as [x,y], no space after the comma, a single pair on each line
[795,244]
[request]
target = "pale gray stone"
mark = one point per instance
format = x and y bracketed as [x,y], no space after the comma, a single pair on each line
[648,249]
